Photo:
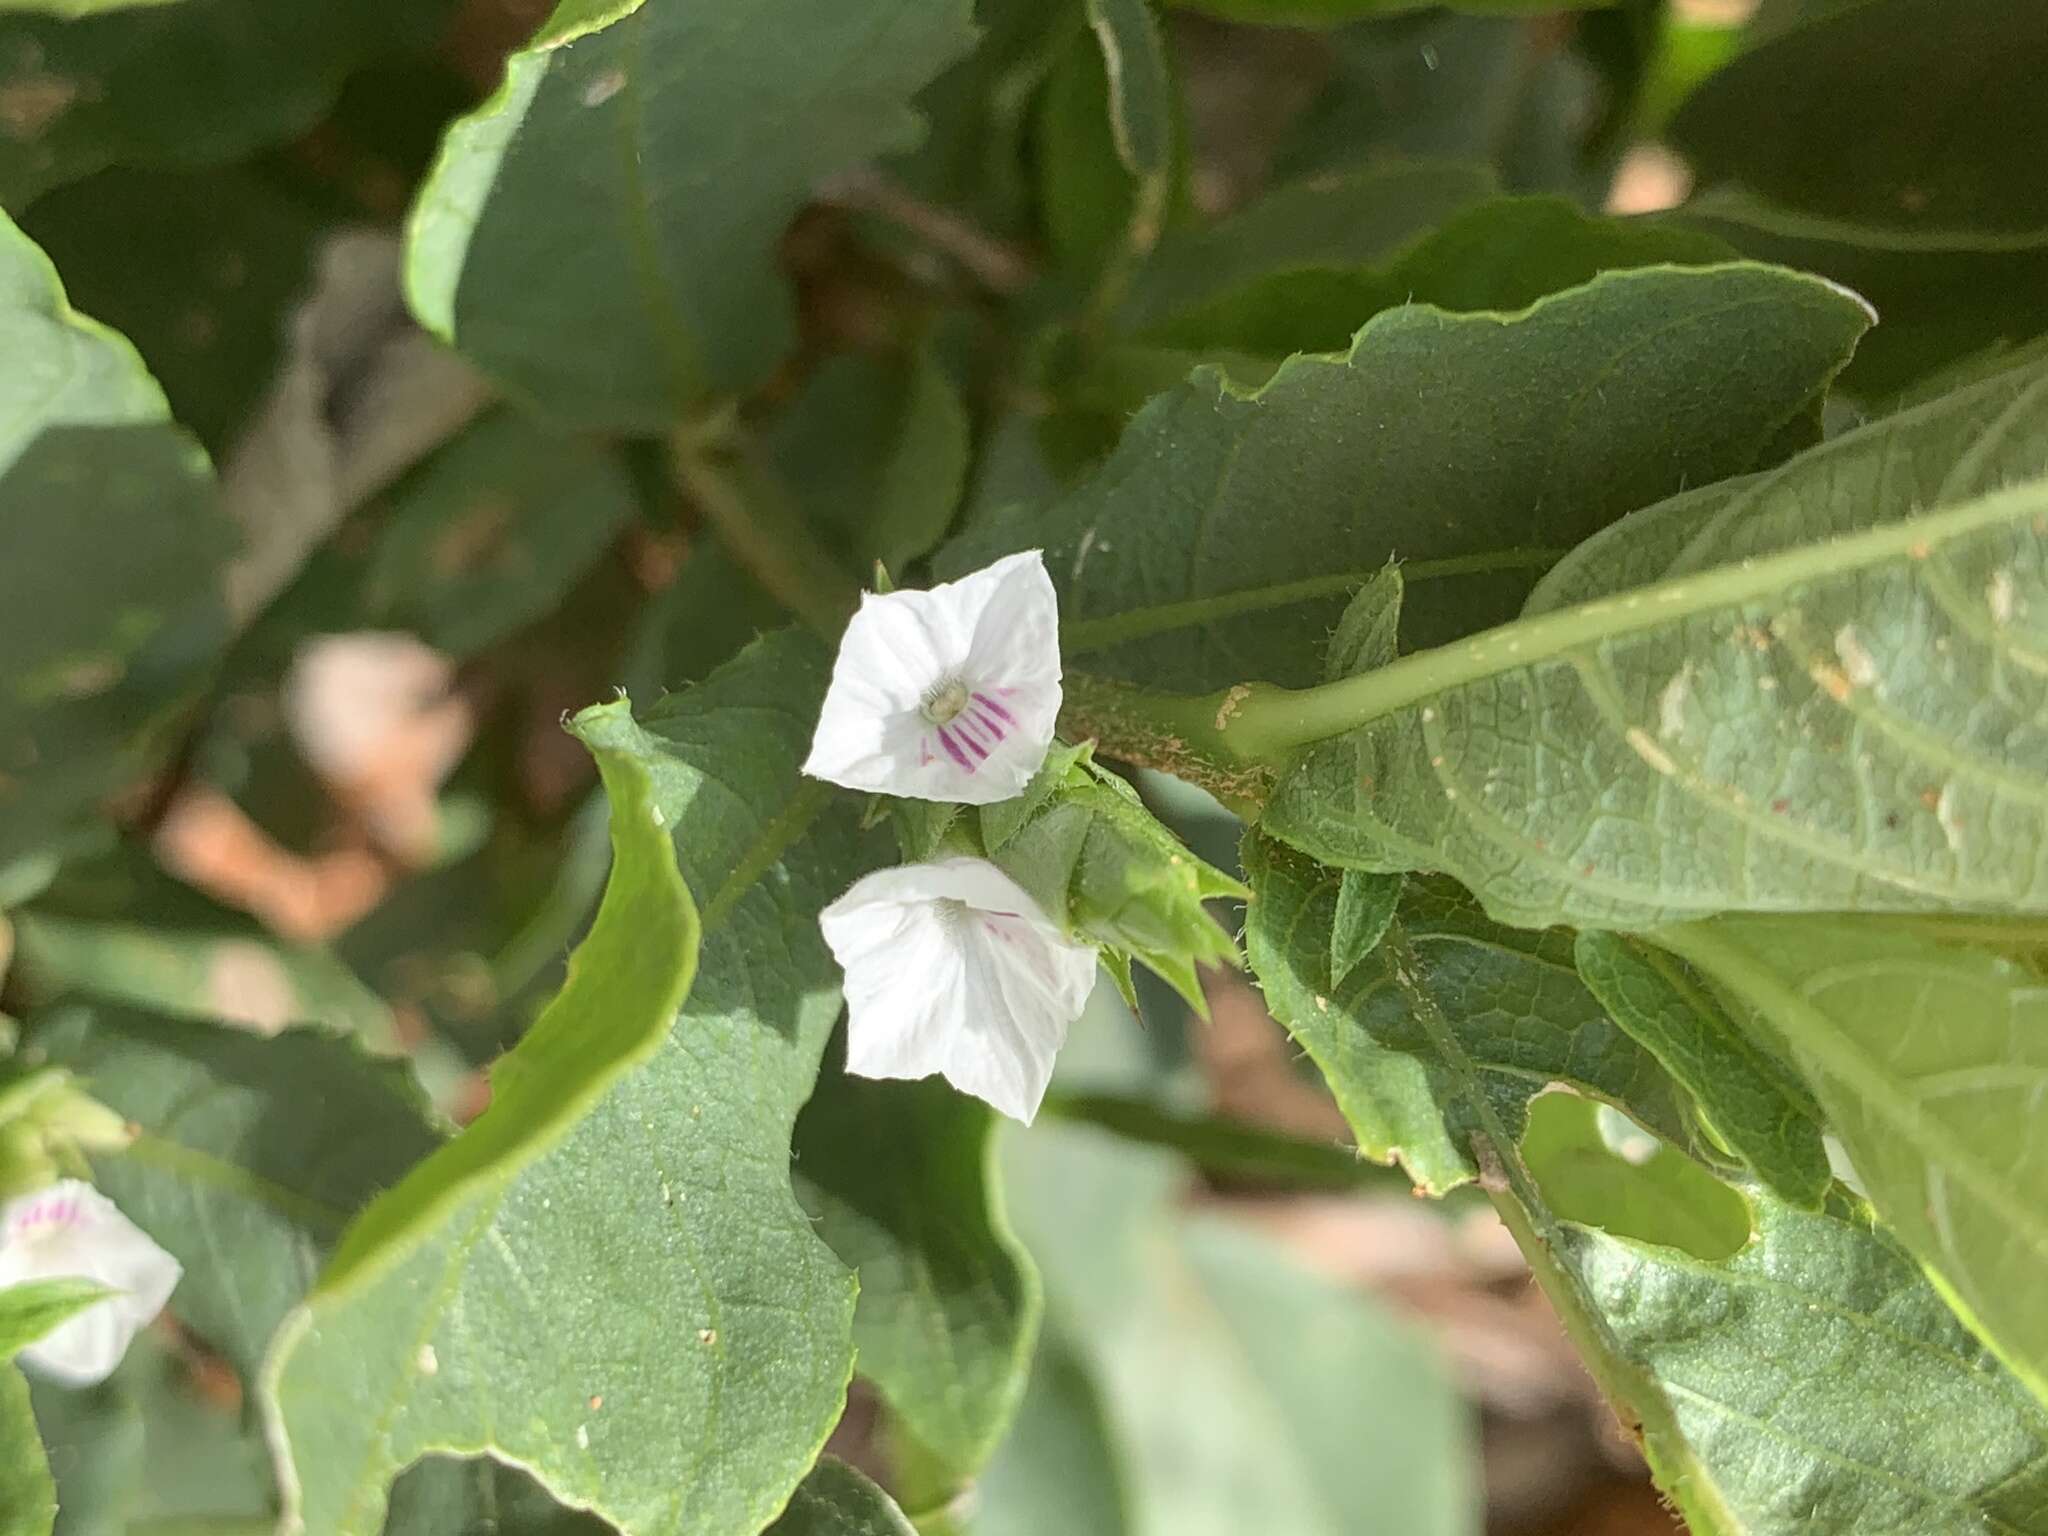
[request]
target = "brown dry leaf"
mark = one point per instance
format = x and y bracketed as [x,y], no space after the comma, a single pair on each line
[207,841]
[377,717]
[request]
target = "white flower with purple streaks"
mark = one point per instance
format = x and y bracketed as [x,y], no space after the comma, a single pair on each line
[952,968]
[71,1230]
[948,694]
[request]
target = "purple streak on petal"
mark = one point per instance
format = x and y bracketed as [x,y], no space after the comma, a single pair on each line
[953,750]
[990,704]
[994,728]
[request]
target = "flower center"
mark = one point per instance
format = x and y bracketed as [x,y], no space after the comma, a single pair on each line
[952,913]
[942,704]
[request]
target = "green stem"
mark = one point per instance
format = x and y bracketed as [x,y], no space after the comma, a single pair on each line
[757,520]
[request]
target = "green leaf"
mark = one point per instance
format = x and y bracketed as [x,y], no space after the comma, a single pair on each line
[1476,447]
[1776,694]
[600,235]
[1930,1061]
[1055,1471]
[1752,1104]
[30,1309]
[153,1450]
[1083,844]
[1240,1391]
[1505,253]
[493,531]
[251,1155]
[607,1278]
[1521,1015]
[240,976]
[111,551]
[440,1496]
[1330,13]
[875,452]
[1940,301]
[28,1499]
[835,1500]
[1907,115]
[1649,1192]
[1793,1369]
[193,83]
[1345,219]
[1231,1152]
[228,255]
[899,1177]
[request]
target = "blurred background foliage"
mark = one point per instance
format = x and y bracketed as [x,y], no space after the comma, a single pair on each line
[345,797]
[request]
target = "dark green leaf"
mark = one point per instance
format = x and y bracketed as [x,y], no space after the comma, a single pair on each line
[1477,447]
[228,254]
[1520,1015]
[875,452]
[251,1157]
[899,1177]
[1325,13]
[493,531]
[1754,1105]
[440,1496]
[613,1284]
[1817,689]
[600,235]
[835,1500]
[192,83]
[111,552]
[1910,116]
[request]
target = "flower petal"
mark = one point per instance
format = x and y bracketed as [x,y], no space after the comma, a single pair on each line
[951,968]
[71,1230]
[992,639]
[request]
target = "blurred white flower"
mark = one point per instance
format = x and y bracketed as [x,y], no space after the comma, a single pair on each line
[72,1230]
[947,694]
[952,968]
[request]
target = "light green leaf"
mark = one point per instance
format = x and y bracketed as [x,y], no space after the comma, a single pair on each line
[242,977]
[1650,1193]
[835,1500]
[1476,447]
[1055,1471]
[875,452]
[30,1309]
[1909,115]
[1521,1014]
[1751,1102]
[154,1449]
[600,235]
[1820,1381]
[1931,1062]
[1239,1391]
[900,1178]
[493,531]
[111,550]
[613,1283]
[192,83]
[251,1155]
[1817,689]
[28,1499]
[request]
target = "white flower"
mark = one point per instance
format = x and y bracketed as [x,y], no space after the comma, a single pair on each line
[949,694]
[952,968]
[72,1230]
